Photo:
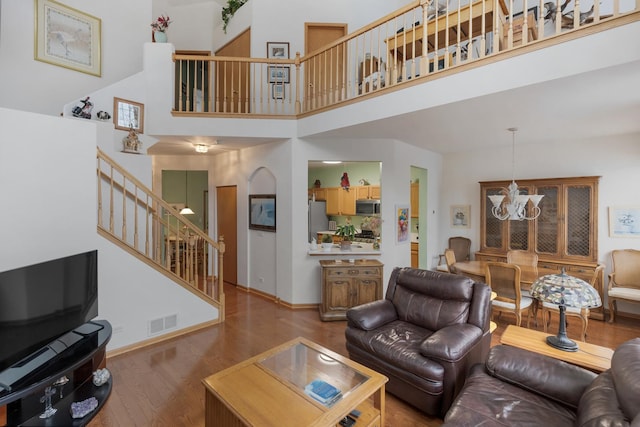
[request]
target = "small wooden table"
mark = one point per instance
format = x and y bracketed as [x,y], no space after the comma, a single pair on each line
[268,389]
[590,356]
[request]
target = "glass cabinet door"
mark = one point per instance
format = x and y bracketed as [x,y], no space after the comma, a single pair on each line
[579,208]
[548,228]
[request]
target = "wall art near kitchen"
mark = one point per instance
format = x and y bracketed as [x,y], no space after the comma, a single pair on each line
[460,216]
[67,37]
[262,212]
[402,223]
[624,221]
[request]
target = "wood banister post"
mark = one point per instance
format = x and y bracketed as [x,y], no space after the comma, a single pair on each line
[297,96]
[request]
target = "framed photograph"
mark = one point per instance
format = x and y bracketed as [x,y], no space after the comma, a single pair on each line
[460,216]
[128,114]
[624,221]
[67,37]
[279,74]
[402,223]
[278,50]
[262,212]
[277,91]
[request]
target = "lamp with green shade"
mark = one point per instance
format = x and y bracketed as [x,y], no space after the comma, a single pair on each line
[564,291]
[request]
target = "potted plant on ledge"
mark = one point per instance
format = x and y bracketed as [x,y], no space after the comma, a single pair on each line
[327,242]
[348,233]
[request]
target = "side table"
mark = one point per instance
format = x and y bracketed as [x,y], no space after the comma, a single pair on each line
[590,356]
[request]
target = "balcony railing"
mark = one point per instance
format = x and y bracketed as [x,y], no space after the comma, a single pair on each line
[418,41]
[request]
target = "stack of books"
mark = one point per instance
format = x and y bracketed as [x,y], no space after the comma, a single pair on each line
[323,392]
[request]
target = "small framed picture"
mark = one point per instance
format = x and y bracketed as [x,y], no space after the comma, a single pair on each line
[278,50]
[262,212]
[402,224]
[279,74]
[277,91]
[624,221]
[460,216]
[128,114]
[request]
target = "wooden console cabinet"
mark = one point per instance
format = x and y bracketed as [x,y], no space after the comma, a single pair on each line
[77,364]
[346,285]
[565,235]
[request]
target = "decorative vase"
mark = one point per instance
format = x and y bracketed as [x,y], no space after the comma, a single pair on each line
[160,37]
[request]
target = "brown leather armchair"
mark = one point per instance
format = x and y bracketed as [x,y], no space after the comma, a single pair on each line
[424,336]
[517,387]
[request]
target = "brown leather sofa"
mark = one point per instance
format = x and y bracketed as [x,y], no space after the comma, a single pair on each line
[425,336]
[520,388]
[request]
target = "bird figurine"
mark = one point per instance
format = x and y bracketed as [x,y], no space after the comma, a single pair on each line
[344,181]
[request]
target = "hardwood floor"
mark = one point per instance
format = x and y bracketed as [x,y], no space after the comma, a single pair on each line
[160,385]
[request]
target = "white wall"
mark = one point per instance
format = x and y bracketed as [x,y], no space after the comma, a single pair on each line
[125,27]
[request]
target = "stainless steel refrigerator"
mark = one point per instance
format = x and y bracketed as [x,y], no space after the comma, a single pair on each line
[318,219]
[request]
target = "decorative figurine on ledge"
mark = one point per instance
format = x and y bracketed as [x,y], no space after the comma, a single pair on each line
[101,376]
[131,143]
[46,399]
[83,111]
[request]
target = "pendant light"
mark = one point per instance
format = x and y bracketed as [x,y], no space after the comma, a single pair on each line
[186,210]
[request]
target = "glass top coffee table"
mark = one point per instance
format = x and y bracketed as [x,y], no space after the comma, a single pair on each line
[274,389]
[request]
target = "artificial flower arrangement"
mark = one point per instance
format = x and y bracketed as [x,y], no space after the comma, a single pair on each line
[161,24]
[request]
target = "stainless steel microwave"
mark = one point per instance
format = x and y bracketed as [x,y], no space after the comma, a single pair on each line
[367,207]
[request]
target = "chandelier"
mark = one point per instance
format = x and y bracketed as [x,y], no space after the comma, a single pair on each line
[515,204]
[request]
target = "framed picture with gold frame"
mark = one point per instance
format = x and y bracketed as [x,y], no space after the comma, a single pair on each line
[128,114]
[67,37]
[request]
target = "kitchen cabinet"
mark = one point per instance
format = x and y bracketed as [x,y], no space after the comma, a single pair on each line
[414,255]
[415,200]
[367,192]
[319,193]
[346,285]
[340,201]
[565,235]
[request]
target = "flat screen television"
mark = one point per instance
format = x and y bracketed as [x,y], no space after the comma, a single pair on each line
[41,302]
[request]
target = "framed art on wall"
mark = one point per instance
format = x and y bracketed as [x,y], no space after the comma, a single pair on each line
[624,221]
[279,74]
[128,114]
[402,223]
[277,91]
[67,37]
[278,50]
[262,212]
[460,216]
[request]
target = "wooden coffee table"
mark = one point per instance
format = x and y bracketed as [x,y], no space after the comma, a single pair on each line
[590,356]
[268,389]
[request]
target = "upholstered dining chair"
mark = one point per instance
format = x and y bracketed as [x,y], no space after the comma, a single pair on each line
[529,260]
[504,280]
[461,247]
[624,280]
[581,313]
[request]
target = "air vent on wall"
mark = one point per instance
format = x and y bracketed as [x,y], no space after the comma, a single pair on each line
[156,326]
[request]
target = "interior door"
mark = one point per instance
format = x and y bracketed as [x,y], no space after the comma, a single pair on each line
[227,214]
[232,78]
[325,74]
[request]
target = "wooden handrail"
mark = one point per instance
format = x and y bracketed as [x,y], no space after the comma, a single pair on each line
[133,216]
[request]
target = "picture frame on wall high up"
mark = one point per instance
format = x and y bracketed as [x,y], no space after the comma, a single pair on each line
[278,50]
[67,37]
[128,114]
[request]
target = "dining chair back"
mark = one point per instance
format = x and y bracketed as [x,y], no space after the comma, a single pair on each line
[450,259]
[461,246]
[504,280]
[581,313]
[624,280]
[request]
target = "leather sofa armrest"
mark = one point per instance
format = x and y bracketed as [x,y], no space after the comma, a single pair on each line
[451,343]
[371,315]
[549,377]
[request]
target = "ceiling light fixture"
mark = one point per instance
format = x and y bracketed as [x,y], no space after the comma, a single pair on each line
[515,205]
[186,210]
[331,162]
[201,148]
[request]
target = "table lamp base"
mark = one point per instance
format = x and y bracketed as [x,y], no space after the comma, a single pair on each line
[562,343]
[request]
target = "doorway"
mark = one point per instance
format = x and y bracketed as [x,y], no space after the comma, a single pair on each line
[227,214]
[418,214]
[192,82]
[232,78]
[325,75]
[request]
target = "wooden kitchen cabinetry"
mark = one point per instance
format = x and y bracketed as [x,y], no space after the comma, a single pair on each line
[340,201]
[319,193]
[367,192]
[565,235]
[415,200]
[346,285]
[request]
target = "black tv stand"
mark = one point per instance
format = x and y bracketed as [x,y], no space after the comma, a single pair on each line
[75,355]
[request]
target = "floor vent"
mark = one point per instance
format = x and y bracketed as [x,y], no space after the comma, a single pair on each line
[156,326]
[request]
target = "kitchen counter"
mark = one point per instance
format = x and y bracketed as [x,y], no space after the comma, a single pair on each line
[357,249]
